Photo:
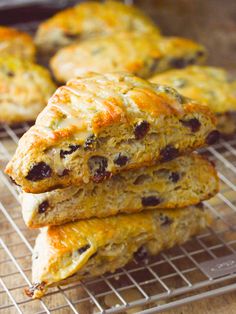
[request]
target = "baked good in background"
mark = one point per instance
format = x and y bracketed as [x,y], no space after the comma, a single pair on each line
[184,181]
[211,86]
[88,122]
[82,249]
[140,54]
[90,19]
[25,89]
[17,43]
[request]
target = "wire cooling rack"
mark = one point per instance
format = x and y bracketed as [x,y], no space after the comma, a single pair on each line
[175,277]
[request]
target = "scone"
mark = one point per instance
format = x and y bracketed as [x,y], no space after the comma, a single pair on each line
[16,43]
[100,125]
[208,85]
[182,182]
[143,55]
[24,89]
[86,248]
[90,19]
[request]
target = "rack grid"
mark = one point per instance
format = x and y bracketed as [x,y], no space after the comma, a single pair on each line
[172,278]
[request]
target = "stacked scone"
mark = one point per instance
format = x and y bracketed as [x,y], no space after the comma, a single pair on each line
[110,173]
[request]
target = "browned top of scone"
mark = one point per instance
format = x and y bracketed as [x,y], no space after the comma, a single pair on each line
[17,43]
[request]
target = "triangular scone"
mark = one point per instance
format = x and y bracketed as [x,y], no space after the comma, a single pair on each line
[25,88]
[184,181]
[70,252]
[208,85]
[141,54]
[16,43]
[91,19]
[99,125]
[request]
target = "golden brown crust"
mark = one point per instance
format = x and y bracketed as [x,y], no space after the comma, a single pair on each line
[208,85]
[92,247]
[24,89]
[184,181]
[143,55]
[101,116]
[17,43]
[90,19]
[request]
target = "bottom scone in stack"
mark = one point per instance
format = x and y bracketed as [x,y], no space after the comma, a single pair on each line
[111,160]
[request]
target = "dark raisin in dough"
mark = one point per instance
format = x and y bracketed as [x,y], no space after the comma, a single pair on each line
[141,254]
[168,153]
[93,255]
[90,143]
[10,74]
[83,248]
[213,137]
[39,172]
[121,160]
[97,166]
[141,129]
[165,220]
[151,201]
[71,36]
[200,53]
[174,177]
[178,63]
[43,207]
[72,149]
[194,124]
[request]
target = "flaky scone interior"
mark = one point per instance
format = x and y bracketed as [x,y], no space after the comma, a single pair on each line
[184,181]
[94,121]
[93,247]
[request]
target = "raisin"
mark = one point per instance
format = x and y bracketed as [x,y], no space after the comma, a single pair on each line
[168,153]
[174,177]
[141,129]
[10,74]
[150,201]
[121,160]
[71,36]
[200,206]
[90,142]
[178,63]
[98,165]
[194,124]
[39,172]
[200,53]
[141,254]
[93,255]
[165,220]
[36,286]
[43,207]
[83,248]
[213,137]
[72,149]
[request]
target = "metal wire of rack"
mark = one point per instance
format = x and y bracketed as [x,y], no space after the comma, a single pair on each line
[172,278]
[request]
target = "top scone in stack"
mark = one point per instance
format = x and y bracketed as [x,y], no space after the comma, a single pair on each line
[108,169]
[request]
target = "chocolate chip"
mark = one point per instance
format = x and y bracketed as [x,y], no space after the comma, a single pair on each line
[150,201]
[72,149]
[97,166]
[39,172]
[165,220]
[194,124]
[141,254]
[168,153]
[174,177]
[43,207]
[65,172]
[83,248]
[90,142]
[121,160]
[213,137]
[141,129]
[36,286]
